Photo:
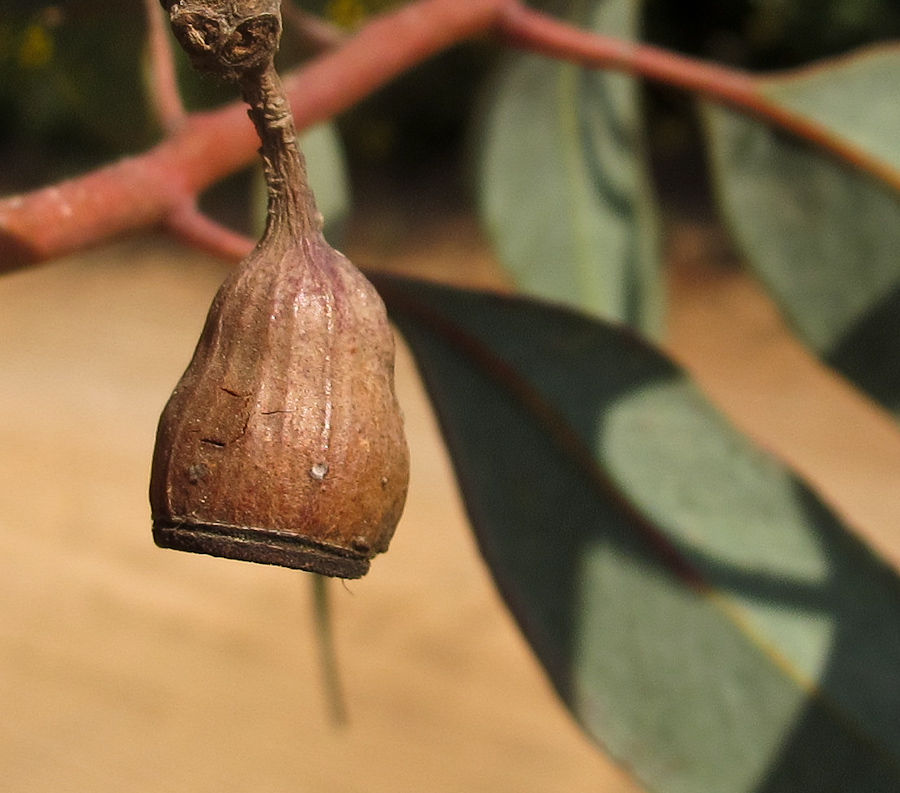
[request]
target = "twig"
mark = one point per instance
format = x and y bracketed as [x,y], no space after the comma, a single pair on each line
[140,192]
[526,29]
[199,231]
[162,81]
[144,191]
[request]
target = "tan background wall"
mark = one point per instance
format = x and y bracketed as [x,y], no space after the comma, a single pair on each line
[128,668]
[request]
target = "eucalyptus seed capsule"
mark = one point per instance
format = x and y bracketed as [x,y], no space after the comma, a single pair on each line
[283,442]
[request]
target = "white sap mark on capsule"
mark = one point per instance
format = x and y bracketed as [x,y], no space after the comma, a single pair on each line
[318,471]
[328,408]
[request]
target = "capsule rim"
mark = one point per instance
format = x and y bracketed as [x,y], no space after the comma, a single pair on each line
[261,546]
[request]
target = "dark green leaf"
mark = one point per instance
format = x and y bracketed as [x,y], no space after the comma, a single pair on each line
[699,610]
[823,237]
[563,185]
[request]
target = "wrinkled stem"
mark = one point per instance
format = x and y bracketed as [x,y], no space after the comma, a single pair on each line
[292,209]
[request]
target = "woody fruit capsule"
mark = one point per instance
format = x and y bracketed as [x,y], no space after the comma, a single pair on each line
[283,441]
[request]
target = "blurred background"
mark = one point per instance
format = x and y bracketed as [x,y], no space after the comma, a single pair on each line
[128,668]
[60,112]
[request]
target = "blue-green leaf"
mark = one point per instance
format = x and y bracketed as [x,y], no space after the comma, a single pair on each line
[563,180]
[824,238]
[701,612]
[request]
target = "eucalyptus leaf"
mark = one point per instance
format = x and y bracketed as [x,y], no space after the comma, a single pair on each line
[563,180]
[699,610]
[823,237]
[854,97]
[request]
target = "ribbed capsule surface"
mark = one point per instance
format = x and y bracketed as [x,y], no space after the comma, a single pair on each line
[283,442]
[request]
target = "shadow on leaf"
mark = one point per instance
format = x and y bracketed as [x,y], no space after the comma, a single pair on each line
[702,614]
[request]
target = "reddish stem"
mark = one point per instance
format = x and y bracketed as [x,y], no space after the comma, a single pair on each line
[199,231]
[526,29]
[146,190]
[162,79]
[142,191]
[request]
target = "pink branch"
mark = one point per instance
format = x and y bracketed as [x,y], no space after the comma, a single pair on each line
[523,28]
[142,191]
[160,187]
[53,221]
[194,228]
[526,29]
[162,80]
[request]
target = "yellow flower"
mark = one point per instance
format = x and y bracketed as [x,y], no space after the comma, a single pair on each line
[36,49]
[351,13]
[346,13]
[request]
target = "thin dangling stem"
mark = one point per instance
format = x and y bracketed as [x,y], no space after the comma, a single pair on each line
[291,202]
[334,692]
[237,40]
